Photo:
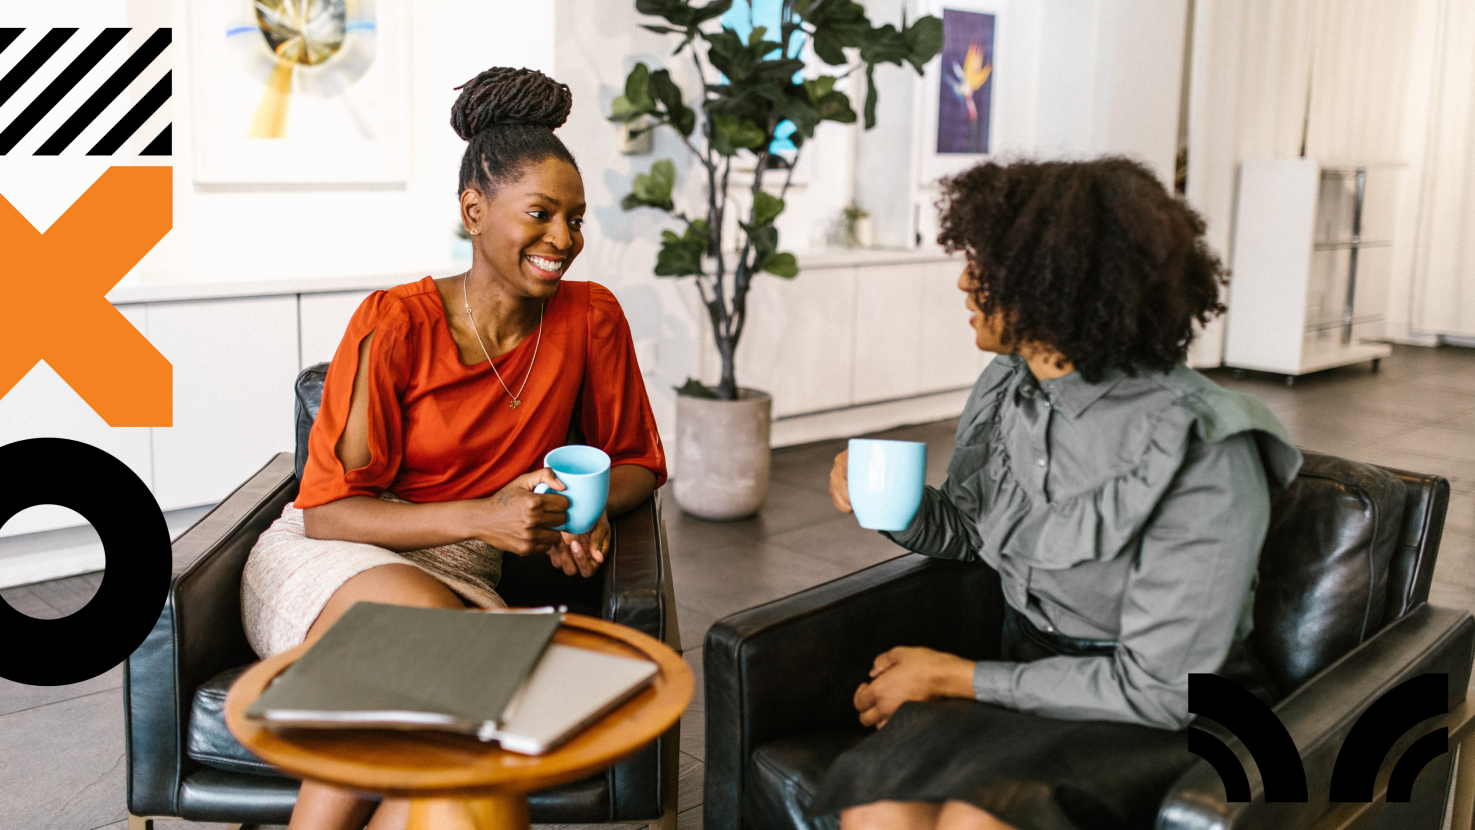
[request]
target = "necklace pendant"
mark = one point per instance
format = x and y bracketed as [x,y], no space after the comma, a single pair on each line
[515,404]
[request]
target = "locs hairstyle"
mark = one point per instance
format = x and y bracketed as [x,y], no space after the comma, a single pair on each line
[1094,259]
[508,117]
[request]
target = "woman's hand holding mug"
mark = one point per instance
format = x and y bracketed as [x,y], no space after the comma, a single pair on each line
[519,520]
[582,553]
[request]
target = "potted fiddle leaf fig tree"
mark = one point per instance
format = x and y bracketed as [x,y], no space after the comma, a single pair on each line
[753,89]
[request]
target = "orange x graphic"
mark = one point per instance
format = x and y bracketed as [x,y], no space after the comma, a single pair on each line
[55,309]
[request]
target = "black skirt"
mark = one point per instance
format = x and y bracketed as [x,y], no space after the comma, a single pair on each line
[1032,772]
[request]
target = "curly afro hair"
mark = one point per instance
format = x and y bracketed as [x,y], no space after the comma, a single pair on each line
[508,116]
[1093,259]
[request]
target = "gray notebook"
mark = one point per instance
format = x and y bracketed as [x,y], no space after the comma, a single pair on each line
[410,668]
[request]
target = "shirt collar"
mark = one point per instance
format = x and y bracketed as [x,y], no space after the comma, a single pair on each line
[1072,395]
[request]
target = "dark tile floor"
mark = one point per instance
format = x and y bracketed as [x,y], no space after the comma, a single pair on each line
[61,749]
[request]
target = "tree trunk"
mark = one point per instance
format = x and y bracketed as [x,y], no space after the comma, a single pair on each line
[727,387]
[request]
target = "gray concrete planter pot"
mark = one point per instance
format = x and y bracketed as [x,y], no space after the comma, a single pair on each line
[722,455]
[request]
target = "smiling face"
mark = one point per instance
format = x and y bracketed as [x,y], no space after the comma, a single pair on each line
[529,232]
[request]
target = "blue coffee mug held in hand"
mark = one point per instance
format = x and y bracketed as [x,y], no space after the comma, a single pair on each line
[885,481]
[584,472]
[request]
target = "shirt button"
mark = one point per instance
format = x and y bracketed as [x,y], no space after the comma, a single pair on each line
[1047,404]
[1041,462]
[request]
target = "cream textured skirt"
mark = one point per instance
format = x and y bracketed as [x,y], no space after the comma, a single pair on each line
[289,577]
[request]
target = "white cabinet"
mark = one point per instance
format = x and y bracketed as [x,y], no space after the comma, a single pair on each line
[234,364]
[42,405]
[1311,263]
[324,318]
[950,354]
[889,325]
[796,344]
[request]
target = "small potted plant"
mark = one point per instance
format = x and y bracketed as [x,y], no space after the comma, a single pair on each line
[857,220]
[750,87]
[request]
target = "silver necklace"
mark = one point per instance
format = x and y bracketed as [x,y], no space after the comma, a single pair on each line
[517,398]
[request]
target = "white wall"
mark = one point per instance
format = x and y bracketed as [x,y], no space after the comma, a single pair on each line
[242,233]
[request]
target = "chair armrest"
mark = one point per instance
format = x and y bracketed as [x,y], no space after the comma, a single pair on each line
[198,635]
[1319,715]
[791,666]
[638,574]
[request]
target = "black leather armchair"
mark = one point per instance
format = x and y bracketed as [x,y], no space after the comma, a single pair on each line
[182,762]
[1341,617]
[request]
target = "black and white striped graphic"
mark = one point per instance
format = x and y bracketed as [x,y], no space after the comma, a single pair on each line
[57,86]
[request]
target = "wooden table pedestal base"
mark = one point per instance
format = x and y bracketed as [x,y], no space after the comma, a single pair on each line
[498,811]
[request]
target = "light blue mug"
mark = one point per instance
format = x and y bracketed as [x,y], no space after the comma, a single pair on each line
[584,472]
[885,481]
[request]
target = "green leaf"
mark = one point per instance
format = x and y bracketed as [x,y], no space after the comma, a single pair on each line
[681,256]
[763,237]
[653,189]
[780,265]
[716,8]
[870,95]
[778,70]
[669,94]
[729,54]
[755,37]
[884,45]
[819,88]
[925,39]
[829,48]
[694,388]
[766,207]
[677,260]
[637,88]
[731,133]
[805,117]
[833,12]
[663,30]
[836,107]
[621,110]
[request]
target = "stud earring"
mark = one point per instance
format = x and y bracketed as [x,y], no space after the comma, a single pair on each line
[473,231]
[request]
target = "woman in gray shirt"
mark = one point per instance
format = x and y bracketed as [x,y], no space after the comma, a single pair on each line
[1122,497]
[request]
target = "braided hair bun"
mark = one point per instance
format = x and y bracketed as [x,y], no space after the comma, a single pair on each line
[508,117]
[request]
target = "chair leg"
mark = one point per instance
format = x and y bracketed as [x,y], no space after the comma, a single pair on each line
[1462,800]
[667,821]
[139,823]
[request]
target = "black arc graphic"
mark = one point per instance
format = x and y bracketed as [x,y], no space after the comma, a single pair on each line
[135,543]
[1406,704]
[1281,772]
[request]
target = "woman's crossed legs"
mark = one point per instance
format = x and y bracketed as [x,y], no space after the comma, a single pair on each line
[918,815]
[320,806]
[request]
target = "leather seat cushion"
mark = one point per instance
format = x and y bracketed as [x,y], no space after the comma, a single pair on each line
[784,775]
[210,743]
[1324,566]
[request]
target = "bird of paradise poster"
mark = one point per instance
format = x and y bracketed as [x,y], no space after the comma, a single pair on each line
[966,87]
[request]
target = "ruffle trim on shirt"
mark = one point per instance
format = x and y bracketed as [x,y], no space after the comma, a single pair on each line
[1111,514]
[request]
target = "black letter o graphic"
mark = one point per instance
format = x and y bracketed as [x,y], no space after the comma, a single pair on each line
[135,543]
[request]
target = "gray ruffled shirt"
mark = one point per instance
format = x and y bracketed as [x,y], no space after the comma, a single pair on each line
[1131,510]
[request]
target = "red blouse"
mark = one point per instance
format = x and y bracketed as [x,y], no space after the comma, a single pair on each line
[440,430]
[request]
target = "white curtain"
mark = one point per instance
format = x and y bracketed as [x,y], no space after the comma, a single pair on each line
[1338,76]
[1443,284]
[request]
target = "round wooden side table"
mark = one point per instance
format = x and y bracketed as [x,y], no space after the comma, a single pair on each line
[456,782]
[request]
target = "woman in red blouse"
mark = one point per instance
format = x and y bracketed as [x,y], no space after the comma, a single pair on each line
[441,402]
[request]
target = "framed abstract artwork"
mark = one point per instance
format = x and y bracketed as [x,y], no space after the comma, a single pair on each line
[298,91]
[958,99]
